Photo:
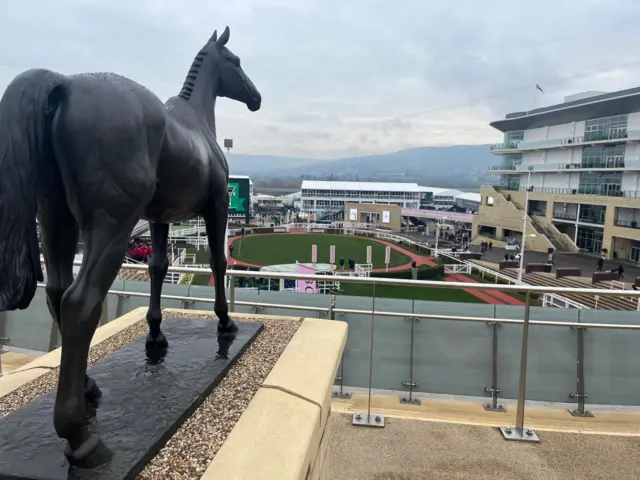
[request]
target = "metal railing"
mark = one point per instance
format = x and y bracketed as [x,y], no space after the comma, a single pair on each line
[584,190]
[548,299]
[333,312]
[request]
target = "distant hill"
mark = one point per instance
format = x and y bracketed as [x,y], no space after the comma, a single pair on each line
[461,166]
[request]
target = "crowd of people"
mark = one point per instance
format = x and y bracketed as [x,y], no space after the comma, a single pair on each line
[139,250]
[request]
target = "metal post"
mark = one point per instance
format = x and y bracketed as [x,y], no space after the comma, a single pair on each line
[120,305]
[376,419]
[340,378]
[411,384]
[54,336]
[524,225]
[518,432]
[580,396]
[3,336]
[232,294]
[494,390]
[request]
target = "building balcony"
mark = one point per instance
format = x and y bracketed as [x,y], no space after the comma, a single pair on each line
[567,142]
[572,217]
[502,167]
[572,191]
[611,165]
[627,224]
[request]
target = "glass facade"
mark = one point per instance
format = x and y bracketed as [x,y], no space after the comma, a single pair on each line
[513,139]
[590,239]
[600,183]
[592,213]
[603,156]
[509,162]
[510,182]
[607,128]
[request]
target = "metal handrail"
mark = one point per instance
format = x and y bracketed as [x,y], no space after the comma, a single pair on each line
[509,321]
[518,432]
[400,282]
[350,311]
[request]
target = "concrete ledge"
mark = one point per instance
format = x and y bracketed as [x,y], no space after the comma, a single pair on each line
[45,363]
[282,434]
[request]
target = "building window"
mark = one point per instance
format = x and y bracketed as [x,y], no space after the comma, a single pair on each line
[515,136]
[590,239]
[592,213]
[510,182]
[607,183]
[603,157]
[609,128]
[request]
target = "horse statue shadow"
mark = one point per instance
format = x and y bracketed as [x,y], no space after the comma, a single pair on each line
[96,153]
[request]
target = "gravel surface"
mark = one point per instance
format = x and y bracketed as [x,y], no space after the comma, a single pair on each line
[188,453]
[192,448]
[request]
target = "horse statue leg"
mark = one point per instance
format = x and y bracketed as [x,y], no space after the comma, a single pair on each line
[59,241]
[105,245]
[158,266]
[216,218]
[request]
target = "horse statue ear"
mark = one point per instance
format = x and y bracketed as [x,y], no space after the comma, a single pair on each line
[214,37]
[224,38]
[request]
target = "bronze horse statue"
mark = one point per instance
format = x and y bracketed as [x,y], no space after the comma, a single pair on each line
[95,153]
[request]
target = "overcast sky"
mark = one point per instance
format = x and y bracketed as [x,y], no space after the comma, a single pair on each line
[344,77]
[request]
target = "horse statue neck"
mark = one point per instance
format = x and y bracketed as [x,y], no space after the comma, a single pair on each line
[200,87]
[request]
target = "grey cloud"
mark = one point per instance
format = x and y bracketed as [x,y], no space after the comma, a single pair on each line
[342,78]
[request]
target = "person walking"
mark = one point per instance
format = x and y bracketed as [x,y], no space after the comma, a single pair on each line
[490,246]
[341,263]
[620,272]
[600,264]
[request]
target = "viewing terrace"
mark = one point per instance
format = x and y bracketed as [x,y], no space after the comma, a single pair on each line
[442,385]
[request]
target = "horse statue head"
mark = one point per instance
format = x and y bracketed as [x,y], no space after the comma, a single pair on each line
[232,82]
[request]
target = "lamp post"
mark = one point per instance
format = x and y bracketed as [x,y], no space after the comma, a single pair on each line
[524,222]
[438,225]
[531,235]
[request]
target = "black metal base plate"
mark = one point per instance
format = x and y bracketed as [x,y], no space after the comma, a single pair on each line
[343,396]
[577,413]
[498,408]
[145,400]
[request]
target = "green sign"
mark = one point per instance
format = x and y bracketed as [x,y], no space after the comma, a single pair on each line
[239,201]
[426,198]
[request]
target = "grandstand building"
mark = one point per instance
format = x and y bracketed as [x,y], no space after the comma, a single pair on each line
[576,165]
[324,197]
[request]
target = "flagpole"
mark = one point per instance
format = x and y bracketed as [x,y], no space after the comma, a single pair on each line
[534,97]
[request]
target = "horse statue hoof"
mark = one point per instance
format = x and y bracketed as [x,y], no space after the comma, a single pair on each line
[160,342]
[91,390]
[227,329]
[91,454]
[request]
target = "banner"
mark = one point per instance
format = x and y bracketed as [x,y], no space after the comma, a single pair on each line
[386,216]
[332,254]
[387,255]
[239,199]
[314,254]
[369,254]
[306,286]
[353,214]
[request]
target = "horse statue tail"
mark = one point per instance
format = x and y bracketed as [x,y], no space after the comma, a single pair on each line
[26,113]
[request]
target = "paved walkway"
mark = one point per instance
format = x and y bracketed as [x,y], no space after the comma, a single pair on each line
[458,440]
[587,263]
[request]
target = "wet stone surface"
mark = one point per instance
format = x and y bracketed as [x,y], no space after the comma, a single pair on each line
[143,403]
